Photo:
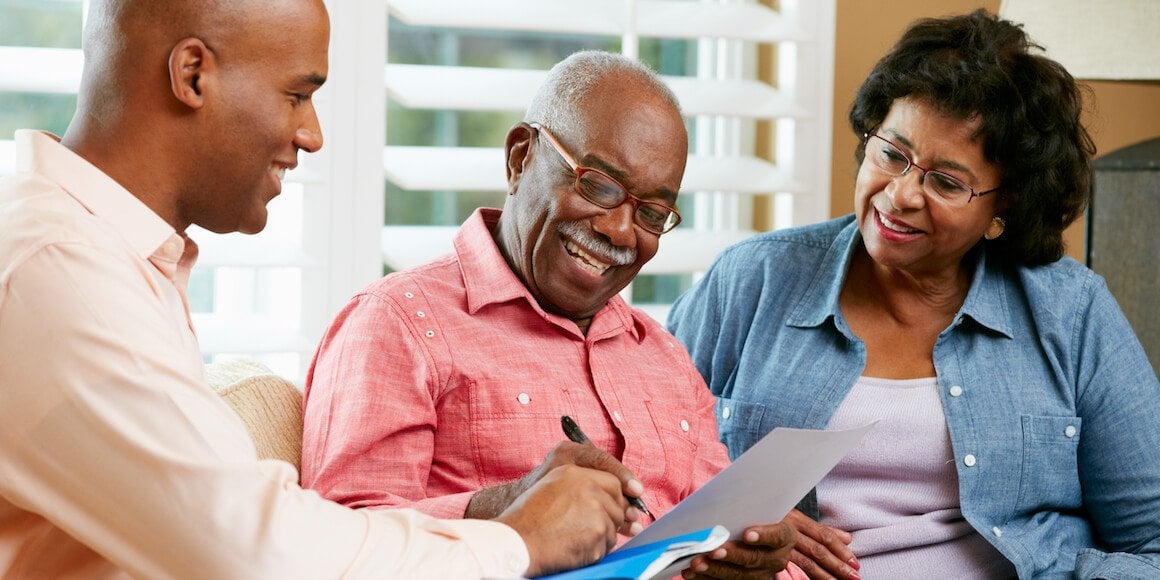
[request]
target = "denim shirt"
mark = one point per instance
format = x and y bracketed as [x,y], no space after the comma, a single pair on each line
[1052,406]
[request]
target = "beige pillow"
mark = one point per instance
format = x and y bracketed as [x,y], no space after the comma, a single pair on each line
[269,405]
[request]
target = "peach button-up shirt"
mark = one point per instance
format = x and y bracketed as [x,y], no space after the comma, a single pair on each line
[116,457]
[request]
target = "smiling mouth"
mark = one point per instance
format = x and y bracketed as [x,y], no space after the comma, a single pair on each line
[586,261]
[889,224]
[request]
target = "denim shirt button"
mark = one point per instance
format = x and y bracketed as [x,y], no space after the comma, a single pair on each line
[1069,431]
[956,391]
[726,412]
[969,460]
[998,533]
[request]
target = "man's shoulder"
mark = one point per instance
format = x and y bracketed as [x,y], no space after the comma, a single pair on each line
[438,279]
[35,213]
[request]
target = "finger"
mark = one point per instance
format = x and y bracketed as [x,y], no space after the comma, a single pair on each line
[824,546]
[720,569]
[775,536]
[809,566]
[737,557]
[834,538]
[632,522]
[594,458]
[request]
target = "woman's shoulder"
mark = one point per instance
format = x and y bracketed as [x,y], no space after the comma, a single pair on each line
[1064,278]
[772,247]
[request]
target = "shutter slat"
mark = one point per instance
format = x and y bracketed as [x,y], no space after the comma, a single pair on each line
[481,169]
[654,18]
[457,88]
[40,70]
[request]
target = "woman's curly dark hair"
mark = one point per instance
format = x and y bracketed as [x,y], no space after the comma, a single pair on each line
[977,65]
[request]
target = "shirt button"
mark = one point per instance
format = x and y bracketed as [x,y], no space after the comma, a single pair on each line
[524,399]
[616,416]
[1070,431]
[956,391]
[420,314]
[726,412]
[408,295]
[514,565]
[430,333]
[998,533]
[969,460]
[684,425]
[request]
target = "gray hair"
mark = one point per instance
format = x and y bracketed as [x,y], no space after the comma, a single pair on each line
[557,103]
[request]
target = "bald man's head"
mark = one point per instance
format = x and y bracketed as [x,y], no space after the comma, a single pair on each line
[127,42]
[212,96]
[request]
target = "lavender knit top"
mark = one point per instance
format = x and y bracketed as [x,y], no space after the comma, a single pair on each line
[898,492]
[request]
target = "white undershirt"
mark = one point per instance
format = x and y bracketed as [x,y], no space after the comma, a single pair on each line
[898,493]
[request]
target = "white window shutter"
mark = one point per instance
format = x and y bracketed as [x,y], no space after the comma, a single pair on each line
[727,102]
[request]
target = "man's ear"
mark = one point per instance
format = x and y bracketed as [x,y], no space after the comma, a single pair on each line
[191,68]
[518,151]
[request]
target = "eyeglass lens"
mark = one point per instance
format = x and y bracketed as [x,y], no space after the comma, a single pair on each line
[888,157]
[601,190]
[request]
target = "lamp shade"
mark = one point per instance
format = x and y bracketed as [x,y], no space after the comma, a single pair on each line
[1094,39]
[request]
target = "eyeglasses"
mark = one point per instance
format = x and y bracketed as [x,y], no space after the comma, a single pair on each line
[889,158]
[602,190]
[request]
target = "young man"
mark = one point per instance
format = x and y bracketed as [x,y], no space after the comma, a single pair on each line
[118,460]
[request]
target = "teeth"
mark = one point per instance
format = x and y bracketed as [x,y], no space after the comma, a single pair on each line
[586,260]
[280,173]
[894,227]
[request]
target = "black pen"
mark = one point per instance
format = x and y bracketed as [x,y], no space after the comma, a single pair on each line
[575,435]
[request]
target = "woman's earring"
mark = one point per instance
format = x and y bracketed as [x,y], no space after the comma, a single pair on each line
[998,224]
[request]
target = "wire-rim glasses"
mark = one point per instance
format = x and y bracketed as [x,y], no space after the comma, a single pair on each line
[890,158]
[602,190]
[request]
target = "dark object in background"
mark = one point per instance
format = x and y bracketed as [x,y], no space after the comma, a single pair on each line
[1123,236]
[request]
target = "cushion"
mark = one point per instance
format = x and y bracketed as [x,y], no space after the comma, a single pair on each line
[269,405]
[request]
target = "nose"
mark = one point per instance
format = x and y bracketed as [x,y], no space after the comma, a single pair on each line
[308,137]
[617,225]
[905,192]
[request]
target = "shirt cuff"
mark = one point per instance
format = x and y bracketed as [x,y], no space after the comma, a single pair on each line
[499,548]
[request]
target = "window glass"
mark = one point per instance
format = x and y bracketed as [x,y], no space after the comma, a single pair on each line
[41,23]
[50,112]
[446,128]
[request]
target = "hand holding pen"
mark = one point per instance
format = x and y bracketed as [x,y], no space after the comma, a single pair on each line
[574,434]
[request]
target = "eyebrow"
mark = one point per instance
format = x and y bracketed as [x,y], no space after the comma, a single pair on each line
[663,194]
[937,164]
[313,79]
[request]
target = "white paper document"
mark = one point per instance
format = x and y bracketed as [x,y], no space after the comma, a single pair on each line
[760,487]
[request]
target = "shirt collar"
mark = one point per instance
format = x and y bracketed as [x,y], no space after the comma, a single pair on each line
[42,153]
[488,279]
[986,301]
[820,300]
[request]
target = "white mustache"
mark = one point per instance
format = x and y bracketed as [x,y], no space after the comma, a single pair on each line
[615,255]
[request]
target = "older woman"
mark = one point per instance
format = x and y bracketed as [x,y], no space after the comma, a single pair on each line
[1017,413]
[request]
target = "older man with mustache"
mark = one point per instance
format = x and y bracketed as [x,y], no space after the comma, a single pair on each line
[441,388]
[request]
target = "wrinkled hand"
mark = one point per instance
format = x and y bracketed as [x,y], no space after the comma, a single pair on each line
[489,502]
[822,552]
[569,518]
[762,552]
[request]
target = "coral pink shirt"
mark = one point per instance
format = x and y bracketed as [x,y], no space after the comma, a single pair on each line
[116,458]
[447,378]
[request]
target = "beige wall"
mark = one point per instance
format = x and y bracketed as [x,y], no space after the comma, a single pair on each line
[1118,113]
